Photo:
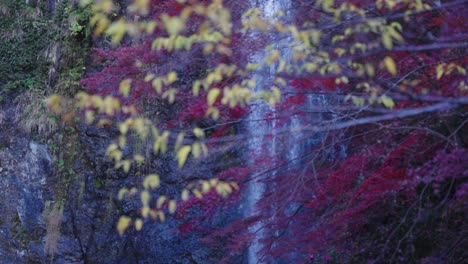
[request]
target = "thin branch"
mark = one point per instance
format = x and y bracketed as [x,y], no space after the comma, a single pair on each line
[398,114]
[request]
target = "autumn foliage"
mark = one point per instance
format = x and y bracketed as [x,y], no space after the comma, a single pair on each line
[373,95]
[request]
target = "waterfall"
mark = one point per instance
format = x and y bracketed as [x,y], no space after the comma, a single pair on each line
[294,147]
[258,147]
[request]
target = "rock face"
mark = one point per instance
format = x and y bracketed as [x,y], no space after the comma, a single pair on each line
[59,201]
[32,182]
[25,168]
[58,195]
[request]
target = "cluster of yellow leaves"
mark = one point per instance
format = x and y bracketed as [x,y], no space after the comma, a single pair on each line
[156,208]
[151,182]
[143,128]
[94,105]
[164,81]
[104,10]
[376,96]
[202,187]
[447,68]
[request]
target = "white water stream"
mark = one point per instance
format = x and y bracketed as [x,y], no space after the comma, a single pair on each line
[259,147]
[292,147]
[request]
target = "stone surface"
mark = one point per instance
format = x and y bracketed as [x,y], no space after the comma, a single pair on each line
[26,167]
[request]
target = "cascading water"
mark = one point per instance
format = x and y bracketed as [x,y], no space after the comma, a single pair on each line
[295,145]
[258,147]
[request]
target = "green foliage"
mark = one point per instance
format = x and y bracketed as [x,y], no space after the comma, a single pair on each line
[27,33]
[60,163]
[23,38]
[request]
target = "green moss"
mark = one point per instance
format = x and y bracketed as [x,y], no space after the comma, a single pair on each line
[23,37]
[25,34]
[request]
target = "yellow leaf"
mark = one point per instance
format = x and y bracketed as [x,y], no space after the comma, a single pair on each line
[151,181]
[124,87]
[357,100]
[461,70]
[390,64]
[235,185]
[122,193]
[370,69]
[160,201]
[387,101]
[149,77]
[227,188]
[196,150]
[123,224]
[162,216]
[164,139]
[116,30]
[251,66]
[116,155]
[205,186]
[172,206]
[102,23]
[210,78]
[112,147]
[133,191]
[151,26]
[145,211]
[310,67]
[173,25]
[170,95]
[395,34]
[157,85]
[220,190]
[196,87]
[123,127]
[182,155]
[440,71]
[387,41]
[397,26]
[280,81]
[171,77]
[212,95]
[139,159]
[140,6]
[197,194]
[157,145]
[213,111]
[122,141]
[126,165]
[199,133]
[340,51]
[138,224]
[214,182]
[145,198]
